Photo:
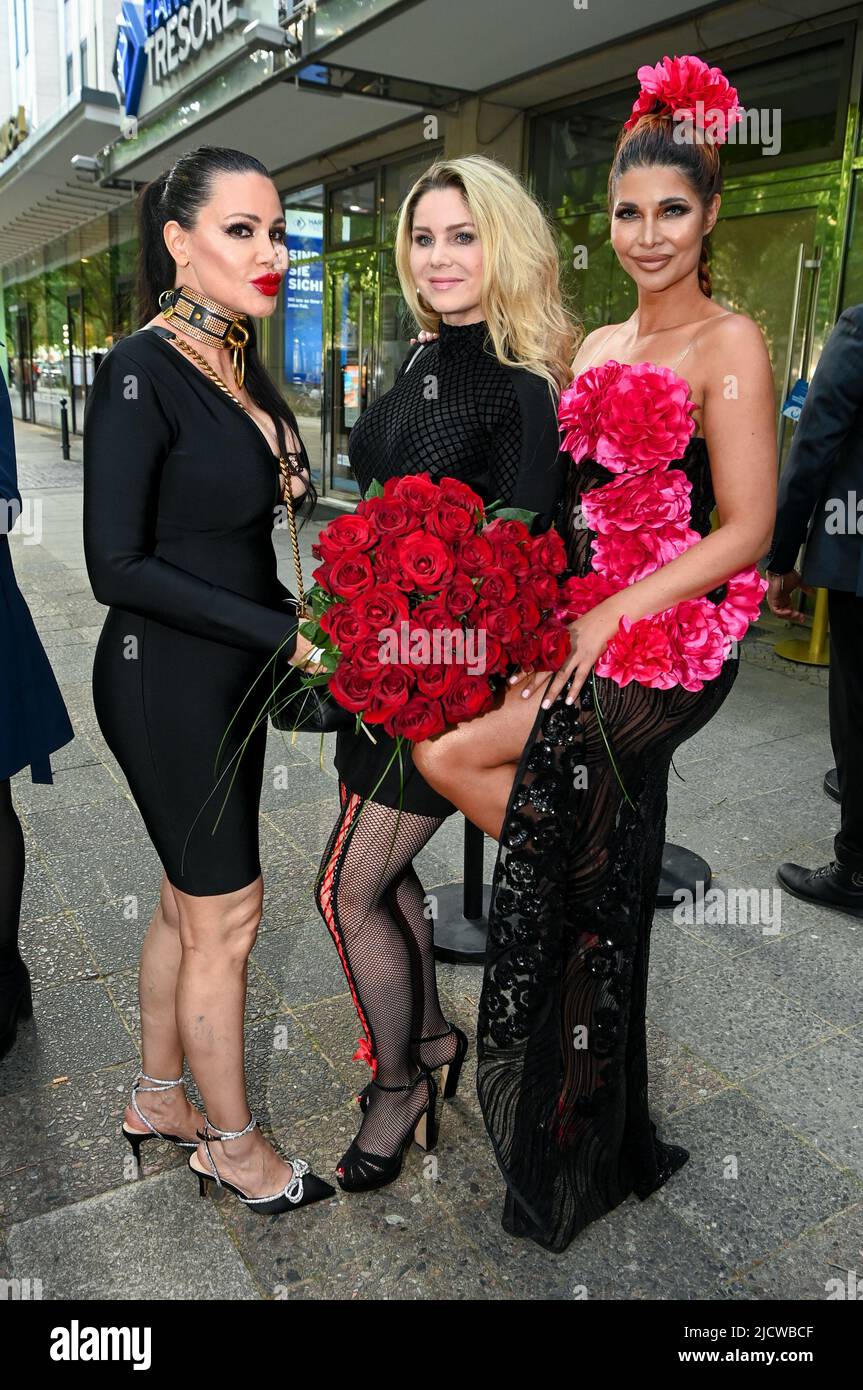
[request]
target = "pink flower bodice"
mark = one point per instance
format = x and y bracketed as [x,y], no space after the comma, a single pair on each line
[642,493]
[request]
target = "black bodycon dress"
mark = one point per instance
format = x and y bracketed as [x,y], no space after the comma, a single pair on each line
[453,411]
[180,487]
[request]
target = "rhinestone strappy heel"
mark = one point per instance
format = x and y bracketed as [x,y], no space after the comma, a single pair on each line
[450,1071]
[135,1137]
[360,1171]
[304,1187]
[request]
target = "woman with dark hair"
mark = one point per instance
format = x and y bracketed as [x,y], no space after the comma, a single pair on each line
[185,466]
[33,723]
[476,260]
[576,790]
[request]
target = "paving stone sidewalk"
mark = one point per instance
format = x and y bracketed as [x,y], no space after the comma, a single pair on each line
[756,1038]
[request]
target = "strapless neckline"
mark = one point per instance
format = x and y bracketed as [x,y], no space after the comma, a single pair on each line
[657,366]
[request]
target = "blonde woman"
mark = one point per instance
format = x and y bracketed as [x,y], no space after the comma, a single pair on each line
[478,265]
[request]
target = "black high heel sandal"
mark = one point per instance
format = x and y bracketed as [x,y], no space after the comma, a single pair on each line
[304,1188]
[359,1171]
[450,1071]
[137,1137]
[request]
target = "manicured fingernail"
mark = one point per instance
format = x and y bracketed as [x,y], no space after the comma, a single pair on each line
[546,704]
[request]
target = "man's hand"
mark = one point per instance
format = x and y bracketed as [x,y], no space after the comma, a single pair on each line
[780,589]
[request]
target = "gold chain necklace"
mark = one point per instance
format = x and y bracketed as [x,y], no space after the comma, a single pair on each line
[285,468]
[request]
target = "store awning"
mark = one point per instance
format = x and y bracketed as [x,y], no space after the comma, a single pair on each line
[280,124]
[41,196]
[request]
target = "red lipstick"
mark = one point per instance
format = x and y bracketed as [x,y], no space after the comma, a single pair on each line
[268,284]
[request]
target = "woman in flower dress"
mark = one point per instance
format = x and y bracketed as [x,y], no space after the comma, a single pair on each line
[575,788]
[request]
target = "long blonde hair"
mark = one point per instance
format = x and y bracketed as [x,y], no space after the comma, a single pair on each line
[521,299]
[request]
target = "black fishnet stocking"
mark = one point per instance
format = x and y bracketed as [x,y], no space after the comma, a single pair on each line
[383,937]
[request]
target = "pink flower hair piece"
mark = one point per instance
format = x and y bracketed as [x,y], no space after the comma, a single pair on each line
[688,84]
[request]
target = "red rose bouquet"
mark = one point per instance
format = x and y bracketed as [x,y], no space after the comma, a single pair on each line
[424,600]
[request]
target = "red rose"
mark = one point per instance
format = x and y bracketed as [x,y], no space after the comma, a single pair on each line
[350,688]
[525,652]
[384,605]
[342,534]
[474,555]
[433,614]
[554,645]
[426,561]
[435,681]
[450,521]
[368,657]
[548,552]
[498,586]
[344,625]
[511,557]
[496,659]
[420,718]
[389,692]
[388,565]
[460,595]
[497,531]
[350,574]
[504,623]
[544,587]
[470,696]
[529,612]
[389,516]
[417,490]
[322,576]
[461,495]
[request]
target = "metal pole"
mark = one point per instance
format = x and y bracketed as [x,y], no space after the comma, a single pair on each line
[64,427]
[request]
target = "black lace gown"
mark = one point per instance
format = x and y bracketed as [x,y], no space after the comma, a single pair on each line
[562,1055]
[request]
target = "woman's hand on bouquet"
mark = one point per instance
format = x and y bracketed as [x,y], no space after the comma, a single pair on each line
[302,657]
[589,636]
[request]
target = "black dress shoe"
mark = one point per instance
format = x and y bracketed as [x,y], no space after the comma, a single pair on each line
[831,784]
[830,886]
[16,1002]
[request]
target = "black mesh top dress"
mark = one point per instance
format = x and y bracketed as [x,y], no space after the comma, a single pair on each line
[180,486]
[454,411]
[570,917]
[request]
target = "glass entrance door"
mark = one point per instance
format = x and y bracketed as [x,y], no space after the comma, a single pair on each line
[351,330]
[767,265]
[76,356]
[25,366]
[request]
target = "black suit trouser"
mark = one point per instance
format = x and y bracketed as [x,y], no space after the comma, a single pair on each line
[846,720]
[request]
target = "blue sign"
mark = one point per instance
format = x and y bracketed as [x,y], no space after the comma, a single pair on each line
[168,32]
[130,57]
[304,296]
[796,397]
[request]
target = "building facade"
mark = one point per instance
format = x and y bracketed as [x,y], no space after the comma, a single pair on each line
[346,102]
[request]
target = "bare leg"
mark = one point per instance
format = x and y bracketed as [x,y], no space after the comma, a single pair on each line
[162,1047]
[474,765]
[216,937]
